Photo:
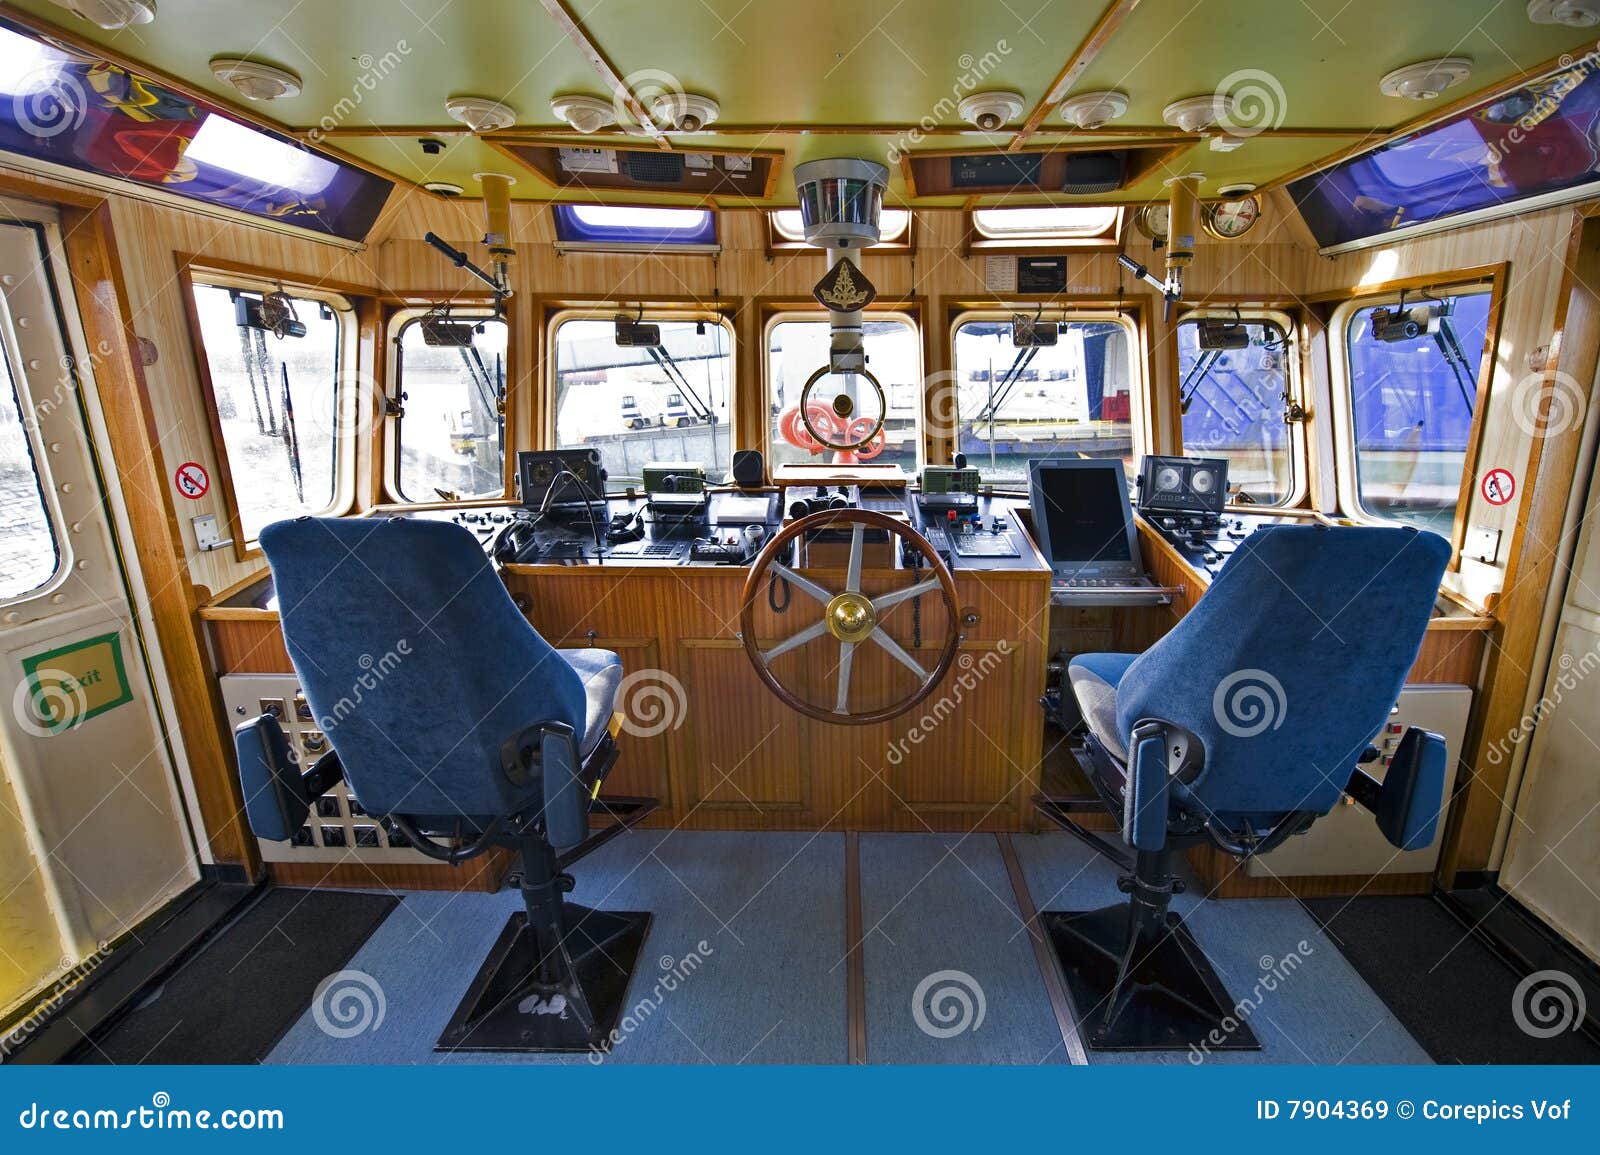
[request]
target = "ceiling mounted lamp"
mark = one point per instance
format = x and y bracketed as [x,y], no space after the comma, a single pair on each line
[1093,109]
[254,80]
[479,113]
[111,14]
[1426,79]
[1571,13]
[684,111]
[990,111]
[585,113]
[443,188]
[1195,114]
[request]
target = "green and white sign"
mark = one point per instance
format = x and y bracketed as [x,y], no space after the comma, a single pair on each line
[69,685]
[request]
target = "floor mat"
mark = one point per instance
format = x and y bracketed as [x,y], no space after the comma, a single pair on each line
[234,1000]
[1453,993]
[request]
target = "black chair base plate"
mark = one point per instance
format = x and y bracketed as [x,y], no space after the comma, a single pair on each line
[1177,1001]
[504,1011]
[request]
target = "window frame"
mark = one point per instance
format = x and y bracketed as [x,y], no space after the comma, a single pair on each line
[1041,242]
[780,242]
[557,315]
[346,444]
[1300,461]
[1139,414]
[619,244]
[32,425]
[395,322]
[1346,476]
[778,312]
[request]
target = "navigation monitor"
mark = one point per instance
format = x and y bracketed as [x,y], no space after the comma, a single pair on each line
[1082,516]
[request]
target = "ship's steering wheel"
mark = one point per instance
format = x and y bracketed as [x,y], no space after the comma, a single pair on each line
[849,616]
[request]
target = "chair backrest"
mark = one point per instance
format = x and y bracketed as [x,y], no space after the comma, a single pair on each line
[1289,664]
[415,661]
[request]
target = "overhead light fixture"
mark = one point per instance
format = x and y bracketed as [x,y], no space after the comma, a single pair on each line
[443,188]
[1093,109]
[1197,113]
[584,113]
[1426,79]
[1238,189]
[232,147]
[684,111]
[111,14]
[256,81]
[1572,13]
[479,113]
[990,111]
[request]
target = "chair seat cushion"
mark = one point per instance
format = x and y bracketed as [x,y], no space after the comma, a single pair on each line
[1094,679]
[601,673]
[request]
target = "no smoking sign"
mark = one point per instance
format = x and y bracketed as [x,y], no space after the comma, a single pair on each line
[192,480]
[1498,486]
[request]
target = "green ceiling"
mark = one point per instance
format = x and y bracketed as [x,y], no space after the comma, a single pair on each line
[825,62]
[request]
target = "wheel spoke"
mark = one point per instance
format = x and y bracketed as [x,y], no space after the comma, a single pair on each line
[898,653]
[795,641]
[804,584]
[927,585]
[847,652]
[852,580]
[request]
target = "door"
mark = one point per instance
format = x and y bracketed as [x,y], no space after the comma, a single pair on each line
[93,829]
[1552,862]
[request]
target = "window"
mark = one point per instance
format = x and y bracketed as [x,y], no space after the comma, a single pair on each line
[638,404]
[1071,398]
[1411,407]
[798,348]
[277,403]
[450,435]
[29,557]
[626,226]
[893,226]
[1047,225]
[1233,402]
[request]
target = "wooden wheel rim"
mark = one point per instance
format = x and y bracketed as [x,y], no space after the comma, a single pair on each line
[870,519]
[805,417]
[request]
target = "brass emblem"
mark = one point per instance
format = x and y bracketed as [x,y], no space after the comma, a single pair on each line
[850,617]
[845,288]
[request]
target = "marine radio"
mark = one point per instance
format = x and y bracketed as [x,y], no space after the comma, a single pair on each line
[946,487]
[550,478]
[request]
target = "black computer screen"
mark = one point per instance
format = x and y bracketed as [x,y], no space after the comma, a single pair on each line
[1085,512]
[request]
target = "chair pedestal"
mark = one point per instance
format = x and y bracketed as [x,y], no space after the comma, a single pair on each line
[1138,980]
[557,978]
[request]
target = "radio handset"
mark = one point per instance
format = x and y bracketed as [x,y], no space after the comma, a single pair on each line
[752,539]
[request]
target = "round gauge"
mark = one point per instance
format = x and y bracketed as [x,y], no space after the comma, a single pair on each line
[1203,481]
[1230,220]
[1152,221]
[1168,479]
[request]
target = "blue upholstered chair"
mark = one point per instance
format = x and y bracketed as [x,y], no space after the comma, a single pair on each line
[450,718]
[1241,727]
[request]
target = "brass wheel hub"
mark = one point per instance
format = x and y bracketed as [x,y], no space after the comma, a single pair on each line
[850,617]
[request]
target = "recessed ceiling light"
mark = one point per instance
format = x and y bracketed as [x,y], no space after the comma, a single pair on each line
[111,14]
[584,113]
[479,113]
[990,111]
[1239,189]
[1197,113]
[1572,13]
[1093,109]
[1426,79]
[443,188]
[684,111]
[255,80]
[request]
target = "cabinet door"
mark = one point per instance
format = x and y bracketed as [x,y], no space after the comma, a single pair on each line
[743,749]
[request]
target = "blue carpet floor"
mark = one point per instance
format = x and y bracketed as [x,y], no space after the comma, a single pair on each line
[1317,1011]
[769,984]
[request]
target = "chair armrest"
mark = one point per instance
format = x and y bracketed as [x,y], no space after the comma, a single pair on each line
[1145,798]
[277,796]
[1408,801]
